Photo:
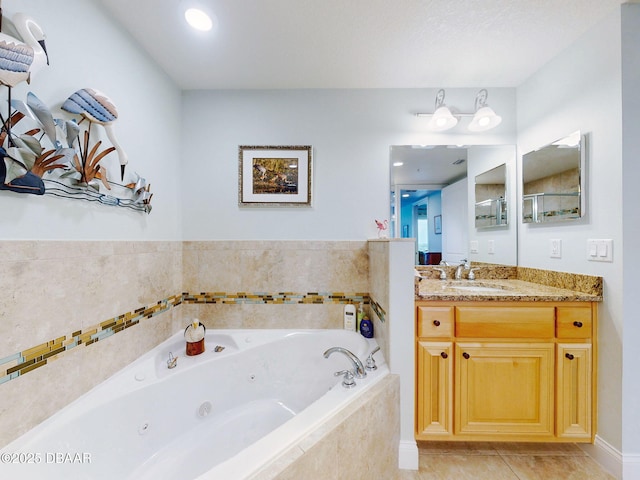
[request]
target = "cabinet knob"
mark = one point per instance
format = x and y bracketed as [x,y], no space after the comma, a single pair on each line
[577,324]
[444,355]
[466,355]
[436,323]
[569,356]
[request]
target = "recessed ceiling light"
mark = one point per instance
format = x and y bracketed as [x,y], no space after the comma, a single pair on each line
[397,164]
[198,19]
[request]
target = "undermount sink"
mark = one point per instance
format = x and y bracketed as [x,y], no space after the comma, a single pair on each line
[477,288]
[473,286]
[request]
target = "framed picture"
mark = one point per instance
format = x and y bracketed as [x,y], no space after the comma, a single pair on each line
[274,176]
[437,224]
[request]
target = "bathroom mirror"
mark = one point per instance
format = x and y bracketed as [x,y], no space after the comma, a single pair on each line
[429,181]
[553,181]
[491,198]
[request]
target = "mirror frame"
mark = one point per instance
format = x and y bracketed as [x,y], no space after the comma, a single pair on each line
[545,153]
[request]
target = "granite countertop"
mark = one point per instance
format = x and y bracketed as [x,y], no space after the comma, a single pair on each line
[497,290]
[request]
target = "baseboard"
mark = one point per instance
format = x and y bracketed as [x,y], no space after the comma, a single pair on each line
[631,466]
[608,457]
[408,455]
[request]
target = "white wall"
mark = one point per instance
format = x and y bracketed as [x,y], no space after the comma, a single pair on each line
[351,132]
[631,233]
[86,49]
[581,90]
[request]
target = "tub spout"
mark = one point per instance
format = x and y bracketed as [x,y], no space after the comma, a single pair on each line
[358,367]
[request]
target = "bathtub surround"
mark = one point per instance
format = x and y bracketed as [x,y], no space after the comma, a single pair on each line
[69,294]
[254,387]
[360,441]
[52,289]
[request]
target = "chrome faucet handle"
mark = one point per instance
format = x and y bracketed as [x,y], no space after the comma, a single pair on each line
[443,273]
[472,275]
[172,361]
[370,363]
[348,380]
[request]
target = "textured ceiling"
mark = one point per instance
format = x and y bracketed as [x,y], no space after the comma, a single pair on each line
[358,43]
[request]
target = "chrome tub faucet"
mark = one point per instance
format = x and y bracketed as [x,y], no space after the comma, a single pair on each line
[358,367]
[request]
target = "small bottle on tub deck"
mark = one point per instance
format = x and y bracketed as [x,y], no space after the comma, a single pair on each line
[360,316]
[350,317]
[366,327]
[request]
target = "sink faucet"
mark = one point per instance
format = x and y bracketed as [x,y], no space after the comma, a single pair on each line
[358,367]
[463,265]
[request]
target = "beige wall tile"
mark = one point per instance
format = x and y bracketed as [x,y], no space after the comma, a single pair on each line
[53,288]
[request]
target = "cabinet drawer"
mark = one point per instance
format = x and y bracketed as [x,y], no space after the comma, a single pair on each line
[435,321]
[505,322]
[573,322]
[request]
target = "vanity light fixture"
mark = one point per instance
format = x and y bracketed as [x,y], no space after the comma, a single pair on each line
[484,118]
[443,119]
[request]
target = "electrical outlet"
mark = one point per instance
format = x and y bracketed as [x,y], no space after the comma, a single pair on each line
[473,246]
[491,247]
[555,248]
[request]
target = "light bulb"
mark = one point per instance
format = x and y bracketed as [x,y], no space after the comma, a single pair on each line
[198,19]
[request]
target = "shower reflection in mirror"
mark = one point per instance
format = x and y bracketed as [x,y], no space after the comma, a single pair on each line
[553,179]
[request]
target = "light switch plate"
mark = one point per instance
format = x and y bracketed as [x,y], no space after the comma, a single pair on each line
[600,250]
[555,248]
[473,246]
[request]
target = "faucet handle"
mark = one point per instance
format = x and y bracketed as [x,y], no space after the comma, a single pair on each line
[371,363]
[172,361]
[443,273]
[472,275]
[348,380]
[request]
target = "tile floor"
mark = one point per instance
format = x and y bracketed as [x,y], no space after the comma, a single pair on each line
[504,461]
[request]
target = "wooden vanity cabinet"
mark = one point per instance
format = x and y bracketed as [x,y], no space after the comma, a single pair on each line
[520,371]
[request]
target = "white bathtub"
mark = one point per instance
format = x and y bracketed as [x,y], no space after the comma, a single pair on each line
[218,415]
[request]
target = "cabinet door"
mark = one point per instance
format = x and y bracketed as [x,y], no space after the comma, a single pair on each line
[504,389]
[573,412]
[434,390]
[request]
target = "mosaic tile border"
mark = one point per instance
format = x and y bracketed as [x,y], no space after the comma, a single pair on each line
[28,360]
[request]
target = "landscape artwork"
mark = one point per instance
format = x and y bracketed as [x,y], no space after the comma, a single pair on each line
[274,176]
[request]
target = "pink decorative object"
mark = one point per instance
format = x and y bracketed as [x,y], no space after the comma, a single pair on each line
[382,227]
